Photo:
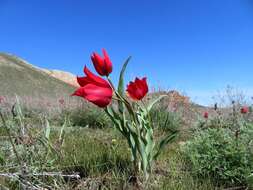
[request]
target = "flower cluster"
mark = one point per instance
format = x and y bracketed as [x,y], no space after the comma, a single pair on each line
[243,110]
[99,91]
[131,119]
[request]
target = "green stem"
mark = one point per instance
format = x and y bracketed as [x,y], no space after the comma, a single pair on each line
[148,114]
[128,105]
[135,121]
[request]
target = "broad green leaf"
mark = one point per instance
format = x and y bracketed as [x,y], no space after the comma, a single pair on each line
[164,142]
[150,143]
[155,101]
[144,156]
[109,112]
[115,118]
[121,78]
[121,84]
[132,145]
[131,129]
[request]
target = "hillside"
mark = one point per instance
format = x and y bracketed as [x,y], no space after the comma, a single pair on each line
[64,76]
[21,78]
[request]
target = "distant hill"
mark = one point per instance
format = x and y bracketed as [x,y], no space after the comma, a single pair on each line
[64,76]
[21,78]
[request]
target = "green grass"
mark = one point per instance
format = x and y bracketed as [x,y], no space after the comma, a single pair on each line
[102,159]
[92,153]
[100,155]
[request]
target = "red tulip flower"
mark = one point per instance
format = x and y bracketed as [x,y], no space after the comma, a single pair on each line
[94,89]
[206,115]
[103,65]
[244,110]
[137,89]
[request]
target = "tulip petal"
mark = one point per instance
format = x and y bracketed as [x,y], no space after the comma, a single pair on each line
[137,89]
[98,63]
[103,65]
[96,79]
[100,96]
[131,92]
[107,62]
[145,84]
[99,60]
[82,81]
[78,92]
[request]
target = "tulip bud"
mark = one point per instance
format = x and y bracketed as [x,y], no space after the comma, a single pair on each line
[103,65]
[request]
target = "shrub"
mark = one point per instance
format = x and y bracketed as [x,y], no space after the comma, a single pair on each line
[221,153]
[165,120]
[94,118]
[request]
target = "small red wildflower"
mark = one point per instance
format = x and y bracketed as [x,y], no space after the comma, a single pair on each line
[244,110]
[206,115]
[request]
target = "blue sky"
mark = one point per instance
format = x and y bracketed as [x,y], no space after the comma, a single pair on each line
[195,46]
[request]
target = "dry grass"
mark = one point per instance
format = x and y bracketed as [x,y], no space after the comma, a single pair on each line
[98,154]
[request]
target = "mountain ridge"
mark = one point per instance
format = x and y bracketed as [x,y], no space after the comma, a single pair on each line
[18,76]
[64,76]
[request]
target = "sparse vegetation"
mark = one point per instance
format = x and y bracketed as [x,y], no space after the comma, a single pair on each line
[223,155]
[55,153]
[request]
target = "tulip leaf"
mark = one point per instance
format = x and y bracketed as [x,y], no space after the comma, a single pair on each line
[164,142]
[132,145]
[144,156]
[121,84]
[150,142]
[155,101]
[121,78]
[118,122]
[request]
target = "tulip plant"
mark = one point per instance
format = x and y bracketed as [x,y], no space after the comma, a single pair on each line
[131,118]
